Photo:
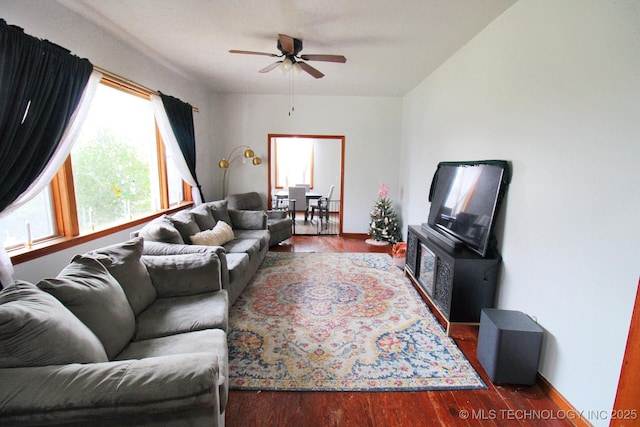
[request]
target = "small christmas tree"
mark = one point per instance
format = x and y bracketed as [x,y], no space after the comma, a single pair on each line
[384,221]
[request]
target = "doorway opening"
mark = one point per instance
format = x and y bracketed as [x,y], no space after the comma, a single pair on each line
[317,163]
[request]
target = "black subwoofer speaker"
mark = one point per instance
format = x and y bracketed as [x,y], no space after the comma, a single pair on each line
[509,345]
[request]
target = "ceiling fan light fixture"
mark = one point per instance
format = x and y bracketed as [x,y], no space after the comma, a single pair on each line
[287,64]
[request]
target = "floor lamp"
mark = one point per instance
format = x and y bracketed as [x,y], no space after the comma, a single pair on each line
[226,162]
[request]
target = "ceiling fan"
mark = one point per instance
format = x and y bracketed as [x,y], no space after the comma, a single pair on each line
[290,48]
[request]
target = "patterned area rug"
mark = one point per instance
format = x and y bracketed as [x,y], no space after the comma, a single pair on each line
[336,321]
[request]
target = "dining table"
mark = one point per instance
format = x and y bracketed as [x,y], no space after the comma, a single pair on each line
[281,197]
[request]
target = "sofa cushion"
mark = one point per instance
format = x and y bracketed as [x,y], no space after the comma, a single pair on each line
[37,330]
[204,218]
[220,211]
[218,236]
[170,316]
[161,229]
[261,235]
[184,274]
[87,289]
[122,260]
[186,224]
[248,246]
[207,341]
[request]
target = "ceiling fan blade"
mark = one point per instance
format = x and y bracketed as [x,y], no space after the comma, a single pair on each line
[249,52]
[287,43]
[326,58]
[270,67]
[309,69]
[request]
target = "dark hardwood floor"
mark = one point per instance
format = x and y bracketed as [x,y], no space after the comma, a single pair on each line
[499,405]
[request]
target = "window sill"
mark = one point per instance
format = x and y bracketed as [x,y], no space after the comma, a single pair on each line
[55,244]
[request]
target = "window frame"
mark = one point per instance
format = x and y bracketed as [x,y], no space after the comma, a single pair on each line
[63,195]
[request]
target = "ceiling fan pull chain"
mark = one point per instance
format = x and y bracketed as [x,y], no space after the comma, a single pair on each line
[289,96]
[291,106]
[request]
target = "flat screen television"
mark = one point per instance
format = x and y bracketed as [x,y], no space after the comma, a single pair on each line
[465,198]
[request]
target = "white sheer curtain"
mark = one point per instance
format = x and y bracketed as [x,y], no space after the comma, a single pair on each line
[54,165]
[172,145]
[6,268]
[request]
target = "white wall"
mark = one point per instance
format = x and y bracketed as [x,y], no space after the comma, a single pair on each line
[49,20]
[326,171]
[371,127]
[552,86]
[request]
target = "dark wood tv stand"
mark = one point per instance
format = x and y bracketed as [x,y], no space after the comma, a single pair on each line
[457,284]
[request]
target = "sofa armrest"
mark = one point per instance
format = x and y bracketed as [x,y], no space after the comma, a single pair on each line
[162,248]
[184,274]
[159,248]
[111,391]
[275,214]
[248,220]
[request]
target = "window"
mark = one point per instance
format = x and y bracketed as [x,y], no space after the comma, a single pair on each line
[117,172]
[294,162]
[112,161]
[34,220]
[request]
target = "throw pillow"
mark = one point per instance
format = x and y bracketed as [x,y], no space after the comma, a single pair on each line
[161,229]
[87,289]
[186,225]
[204,217]
[220,211]
[122,260]
[222,233]
[183,274]
[37,330]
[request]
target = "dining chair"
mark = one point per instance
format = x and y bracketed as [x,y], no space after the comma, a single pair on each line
[279,201]
[298,202]
[321,204]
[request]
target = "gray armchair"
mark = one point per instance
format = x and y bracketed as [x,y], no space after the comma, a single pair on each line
[279,225]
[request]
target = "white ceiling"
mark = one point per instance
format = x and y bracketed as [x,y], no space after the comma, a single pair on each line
[390,45]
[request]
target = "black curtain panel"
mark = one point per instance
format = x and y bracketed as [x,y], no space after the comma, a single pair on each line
[180,116]
[40,87]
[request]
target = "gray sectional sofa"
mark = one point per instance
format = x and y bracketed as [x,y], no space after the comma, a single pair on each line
[117,338]
[239,257]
